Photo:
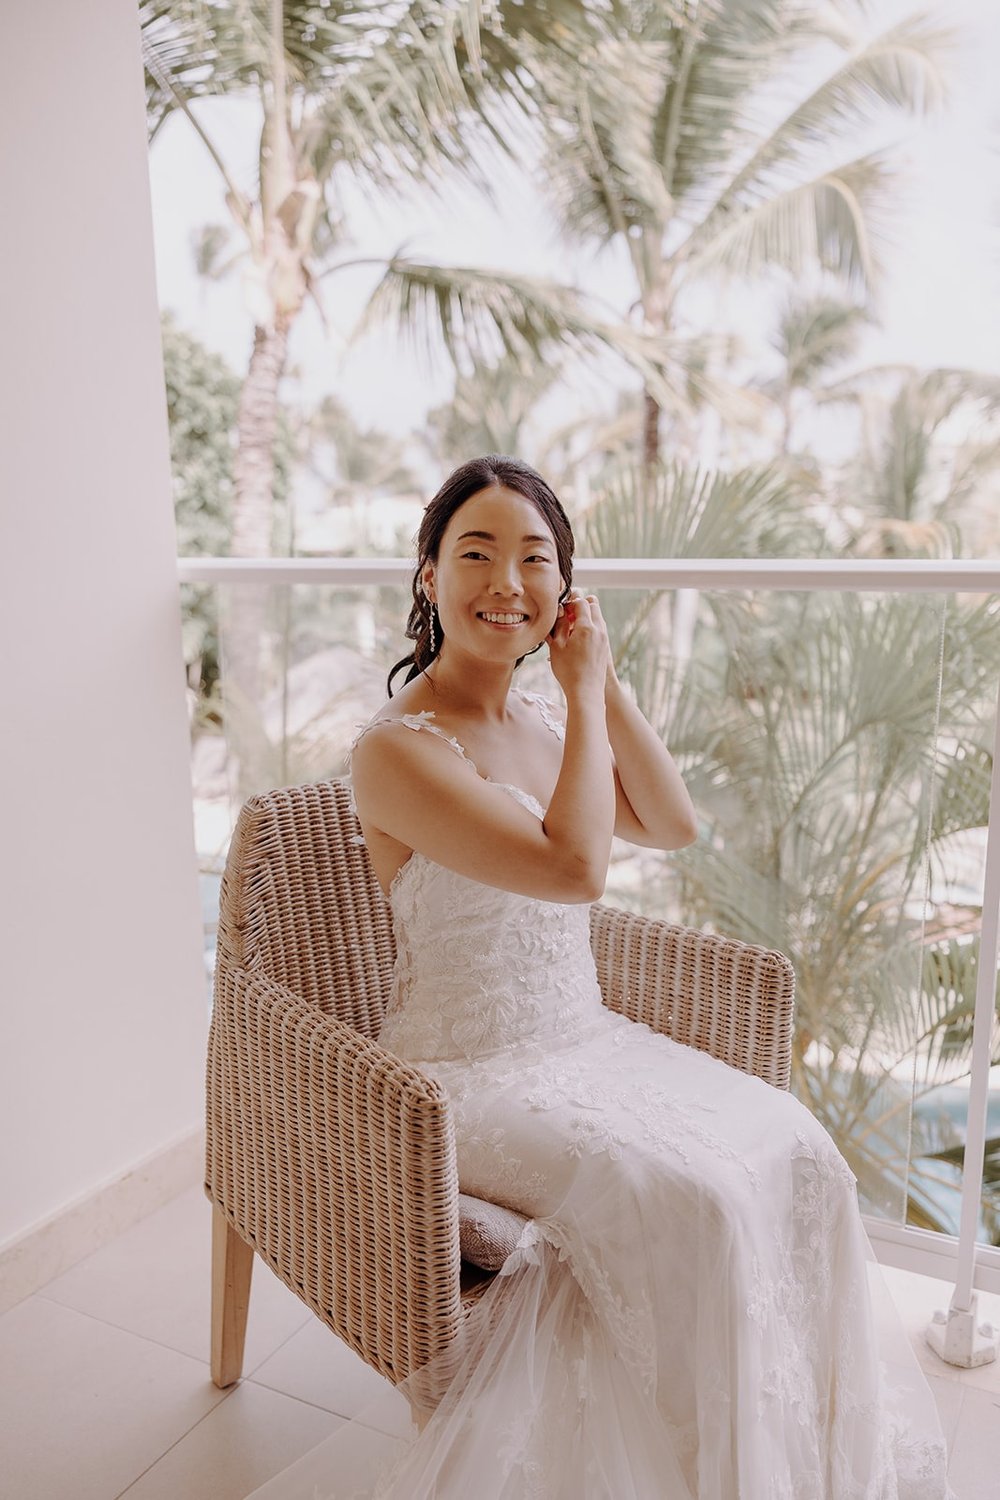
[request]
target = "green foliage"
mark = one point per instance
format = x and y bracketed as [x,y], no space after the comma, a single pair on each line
[490,410]
[352,462]
[826,742]
[814,334]
[662,131]
[934,444]
[832,744]
[955,1156]
[202,399]
[202,403]
[680,512]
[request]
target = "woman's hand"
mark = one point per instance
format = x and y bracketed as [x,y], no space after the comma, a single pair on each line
[579,649]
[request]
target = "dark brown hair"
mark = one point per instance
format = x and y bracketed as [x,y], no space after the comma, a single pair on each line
[494,471]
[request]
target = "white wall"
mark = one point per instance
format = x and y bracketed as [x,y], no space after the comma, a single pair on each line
[103,995]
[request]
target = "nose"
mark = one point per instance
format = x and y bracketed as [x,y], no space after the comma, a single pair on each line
[505,578]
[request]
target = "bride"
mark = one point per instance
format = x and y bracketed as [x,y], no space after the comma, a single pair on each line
[694,1311]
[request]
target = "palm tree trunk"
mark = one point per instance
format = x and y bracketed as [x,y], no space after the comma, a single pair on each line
[786,420]
[650,433]
[245,679]
[257,423]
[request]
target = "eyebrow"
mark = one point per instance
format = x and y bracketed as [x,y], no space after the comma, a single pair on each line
[487,536]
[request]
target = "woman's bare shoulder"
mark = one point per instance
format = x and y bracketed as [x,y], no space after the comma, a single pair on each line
[383,752]
[410,708]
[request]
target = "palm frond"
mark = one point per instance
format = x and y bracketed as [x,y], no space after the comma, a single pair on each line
[991,1162]
[904,477]
[962,798]
[489,409]
[480,314]
[679,511]
[387,88]
[683,512]
[946,1011]
[599,177]
[196,49]
[899,69]
[816,333]
[830,221]
[722,55]
[398,117]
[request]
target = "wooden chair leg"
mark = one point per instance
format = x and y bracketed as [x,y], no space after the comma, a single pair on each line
[232,1265]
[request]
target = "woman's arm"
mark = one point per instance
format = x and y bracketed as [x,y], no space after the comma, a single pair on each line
[653,807]
[414,789]
[584,805]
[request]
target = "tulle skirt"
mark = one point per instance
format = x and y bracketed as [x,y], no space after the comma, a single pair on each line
[543,1402]
[694,1311]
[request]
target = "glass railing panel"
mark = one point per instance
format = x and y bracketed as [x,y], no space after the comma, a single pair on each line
[209,753]
[837,747]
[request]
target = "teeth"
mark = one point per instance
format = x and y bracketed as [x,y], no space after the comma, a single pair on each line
[503,619]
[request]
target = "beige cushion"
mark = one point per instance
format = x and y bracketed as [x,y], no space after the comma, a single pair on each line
[487,1233]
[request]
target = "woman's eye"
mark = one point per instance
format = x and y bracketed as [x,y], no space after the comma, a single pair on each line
[481,555]
[537,559]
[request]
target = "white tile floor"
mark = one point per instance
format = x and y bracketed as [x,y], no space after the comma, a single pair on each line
[105,1389]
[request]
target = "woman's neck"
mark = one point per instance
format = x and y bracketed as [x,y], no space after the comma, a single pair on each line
[473,688]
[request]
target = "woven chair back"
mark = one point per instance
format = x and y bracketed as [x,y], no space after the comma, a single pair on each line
[300,903]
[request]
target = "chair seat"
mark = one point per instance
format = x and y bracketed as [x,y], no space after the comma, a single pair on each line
[487,1233]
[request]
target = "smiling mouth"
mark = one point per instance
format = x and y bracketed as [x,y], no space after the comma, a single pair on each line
[509,618]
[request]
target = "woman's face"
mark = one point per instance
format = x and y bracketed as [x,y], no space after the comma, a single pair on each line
[496,581]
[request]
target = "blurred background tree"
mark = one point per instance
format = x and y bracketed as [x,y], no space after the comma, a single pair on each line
[835,746]
[202,402]
[385,94]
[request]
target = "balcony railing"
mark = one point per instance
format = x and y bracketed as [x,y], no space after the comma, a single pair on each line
[946,678]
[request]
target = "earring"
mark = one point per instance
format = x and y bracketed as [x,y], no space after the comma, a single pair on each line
[433,635]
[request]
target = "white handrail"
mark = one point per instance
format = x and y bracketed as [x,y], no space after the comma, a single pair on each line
[837,574]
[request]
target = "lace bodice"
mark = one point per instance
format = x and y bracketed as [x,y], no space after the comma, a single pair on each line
[479,969]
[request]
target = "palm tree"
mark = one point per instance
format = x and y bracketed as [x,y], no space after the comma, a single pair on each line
[925,474]
[489,410]
[922,480]
[373,90]
[813,336]
[385,91]
[657,147]
[350,461]
[683,512]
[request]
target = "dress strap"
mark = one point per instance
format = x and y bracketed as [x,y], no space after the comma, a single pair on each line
[417,721]
[547,709]
[411,721]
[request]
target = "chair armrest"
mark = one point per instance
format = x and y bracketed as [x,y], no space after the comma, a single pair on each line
[336,1161]
[727,998]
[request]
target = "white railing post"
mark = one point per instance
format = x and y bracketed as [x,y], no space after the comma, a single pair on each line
[957,1335]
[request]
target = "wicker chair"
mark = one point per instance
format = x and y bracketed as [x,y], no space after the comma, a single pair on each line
[333,1159]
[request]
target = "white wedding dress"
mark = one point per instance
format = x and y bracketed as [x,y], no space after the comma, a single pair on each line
[694,1311]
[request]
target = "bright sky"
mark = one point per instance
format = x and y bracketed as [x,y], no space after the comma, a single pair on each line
[940,304]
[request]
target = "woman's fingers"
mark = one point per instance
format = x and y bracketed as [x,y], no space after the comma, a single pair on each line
[581,606]
[579,603]
[580,642]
